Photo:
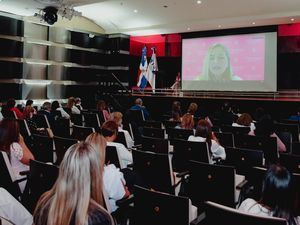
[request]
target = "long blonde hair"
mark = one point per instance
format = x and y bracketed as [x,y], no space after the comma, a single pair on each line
[77,190]
[98,142]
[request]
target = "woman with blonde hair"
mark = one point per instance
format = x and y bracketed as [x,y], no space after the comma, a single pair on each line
[113,179]
[187,122]
[71,106]
[118,118]
[76,197]
[192,108]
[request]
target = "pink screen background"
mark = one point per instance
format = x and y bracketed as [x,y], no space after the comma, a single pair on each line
[247,55]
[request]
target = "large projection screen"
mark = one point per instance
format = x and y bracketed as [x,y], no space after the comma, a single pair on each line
[246,62]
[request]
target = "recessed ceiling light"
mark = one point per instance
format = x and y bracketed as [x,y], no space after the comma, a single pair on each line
[199,2]
[219,26]
[135,10]
[188,28]
[253,23]
[292,19]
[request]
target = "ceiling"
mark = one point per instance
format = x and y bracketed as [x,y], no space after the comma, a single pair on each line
[170,16]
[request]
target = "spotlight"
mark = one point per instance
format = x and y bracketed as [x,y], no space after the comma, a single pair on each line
[50,15]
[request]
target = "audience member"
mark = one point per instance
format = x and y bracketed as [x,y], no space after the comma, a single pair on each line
[245,120]
[110,131]
[76,197]
[71,106]
[204,134]
[265,128]
[10,107]
[175,117]
[296,116]
[225,115]
[176,108]
[118,118]
[12,142]
[187,122]
[102,107]
[46,110]
[193,107]
[12,210]
[113,179]
[139,106]
[56,106]
[78,103]
[277,198]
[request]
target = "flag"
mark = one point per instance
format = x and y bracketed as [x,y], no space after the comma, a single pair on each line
[152,68]
[142,80]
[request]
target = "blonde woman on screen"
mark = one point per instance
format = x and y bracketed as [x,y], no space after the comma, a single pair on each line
[217,65]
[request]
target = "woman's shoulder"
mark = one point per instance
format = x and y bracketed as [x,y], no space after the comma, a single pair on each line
[251,206]
[99,216]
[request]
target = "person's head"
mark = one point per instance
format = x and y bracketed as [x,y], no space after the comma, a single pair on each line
[46,106]
[55,104]
[98,142]
[10,103]
[78,189]
[109,130]
[10,133]
[187,121]
[101,105]
[28,112]
[175,116]
[138,101]
[192,108]
[176,106]
[117,117]
[71,102]
[265,126]
[203,129]
[245,120]
[29,102]
[77,101]
[217,63]
[226,107]
[278,193]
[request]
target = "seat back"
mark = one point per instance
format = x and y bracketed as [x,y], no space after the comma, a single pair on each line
[62,127]
[41,120]
[235,130]
[42,177]
[136,116]
[287,139]
[61,146]
[152,124]
[291,128]
[183,151]
[291,162]
[209,182]
[152,207]
[112,156]
[155,169]
[243,159]
[77,119]
[91,120]
[80,133]
[42,148]
[7,176]
[157,145]
[153,132]
[267,144]
[121,138]
[24,129]
[223,215]
[174,133]
[225,138]
[170,124]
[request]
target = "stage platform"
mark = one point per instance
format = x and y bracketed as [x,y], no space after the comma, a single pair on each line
[283,95]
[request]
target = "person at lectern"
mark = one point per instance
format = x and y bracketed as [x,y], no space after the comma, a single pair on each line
[217,65]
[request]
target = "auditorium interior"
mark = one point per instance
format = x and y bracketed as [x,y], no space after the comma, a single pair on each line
[148,68]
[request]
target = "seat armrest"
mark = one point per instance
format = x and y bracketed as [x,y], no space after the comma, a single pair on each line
[199,220]
[24,173]
[242,184]
[130,165]
[125,202]
[182,174]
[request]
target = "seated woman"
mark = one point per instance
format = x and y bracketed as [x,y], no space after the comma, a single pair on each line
[76,197]
[204,134]
[71,106]
[102,107]
[113,179]
[265,128]
[187,122]
[277,200]
[245,120]
[12,210]
[55,106]
[12,142]
[118,118]
[10,107]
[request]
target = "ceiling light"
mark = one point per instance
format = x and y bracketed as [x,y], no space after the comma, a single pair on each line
[292,19]
[188,28]
[219,26]
[135,10]
[199,2]
[253,23]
